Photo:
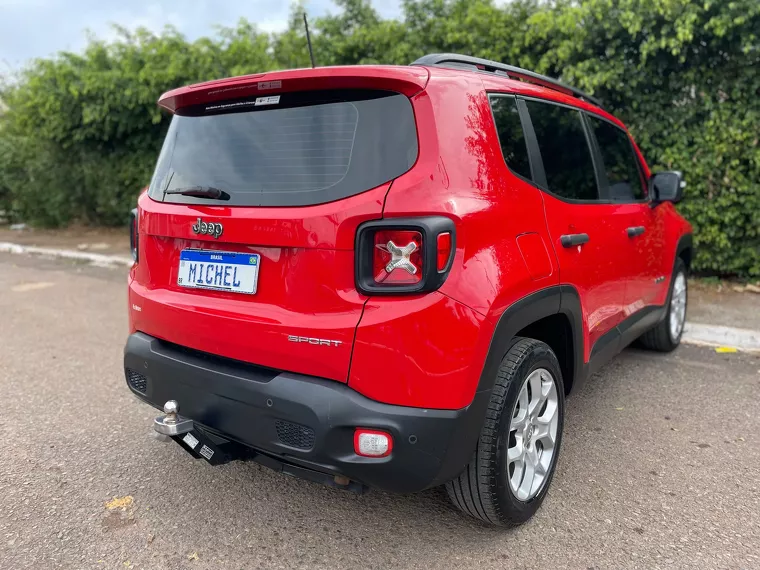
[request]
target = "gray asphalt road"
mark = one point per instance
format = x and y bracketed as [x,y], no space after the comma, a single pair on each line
[660,466]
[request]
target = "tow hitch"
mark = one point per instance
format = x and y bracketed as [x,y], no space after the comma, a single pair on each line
[192,438]
[201,443]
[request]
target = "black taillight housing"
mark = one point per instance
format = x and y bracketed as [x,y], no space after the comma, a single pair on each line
[133,233]
[404,255]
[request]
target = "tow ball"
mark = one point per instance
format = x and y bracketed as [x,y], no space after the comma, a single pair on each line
[172,423]
[193,438]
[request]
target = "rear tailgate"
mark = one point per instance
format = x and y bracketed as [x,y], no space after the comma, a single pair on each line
[299,173]
[305,283]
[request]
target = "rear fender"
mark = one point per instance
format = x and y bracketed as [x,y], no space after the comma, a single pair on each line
[562,299]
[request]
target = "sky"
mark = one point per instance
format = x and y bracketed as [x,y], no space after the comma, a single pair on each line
[39,28]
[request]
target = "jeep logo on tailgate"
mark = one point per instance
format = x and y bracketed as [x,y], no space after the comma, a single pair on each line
[208,228]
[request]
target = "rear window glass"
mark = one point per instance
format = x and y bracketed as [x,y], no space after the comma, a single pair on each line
[293,150]
[510,131]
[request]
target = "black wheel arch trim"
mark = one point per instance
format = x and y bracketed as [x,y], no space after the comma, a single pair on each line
[558,299]
[686,241]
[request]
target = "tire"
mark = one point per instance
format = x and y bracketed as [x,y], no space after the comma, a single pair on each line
[484,489]
[665,337]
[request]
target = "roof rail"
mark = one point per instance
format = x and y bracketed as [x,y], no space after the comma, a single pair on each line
[477,64]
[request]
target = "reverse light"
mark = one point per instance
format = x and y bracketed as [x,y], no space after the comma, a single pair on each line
[372,443]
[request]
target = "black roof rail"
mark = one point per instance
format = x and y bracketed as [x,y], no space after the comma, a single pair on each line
[477,64]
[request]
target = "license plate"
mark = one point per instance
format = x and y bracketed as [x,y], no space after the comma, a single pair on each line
[219,270]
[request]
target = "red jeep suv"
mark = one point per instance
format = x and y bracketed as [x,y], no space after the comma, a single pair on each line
[392,277]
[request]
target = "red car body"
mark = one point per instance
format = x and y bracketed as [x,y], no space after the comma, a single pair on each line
[430,351]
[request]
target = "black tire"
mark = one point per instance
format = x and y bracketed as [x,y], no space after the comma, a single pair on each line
[660,338]
[482,490]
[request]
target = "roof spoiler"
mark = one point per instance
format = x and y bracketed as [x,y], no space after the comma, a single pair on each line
[453,60]
[402,79]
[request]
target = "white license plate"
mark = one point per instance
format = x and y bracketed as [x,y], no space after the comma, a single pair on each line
[219,270]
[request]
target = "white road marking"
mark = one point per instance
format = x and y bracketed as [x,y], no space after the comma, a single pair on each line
[24,287]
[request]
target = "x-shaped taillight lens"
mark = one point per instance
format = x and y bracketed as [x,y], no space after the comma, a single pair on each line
[397,257]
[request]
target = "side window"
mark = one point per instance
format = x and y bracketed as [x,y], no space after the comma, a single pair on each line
[510,132]
[623,174]
[564,151]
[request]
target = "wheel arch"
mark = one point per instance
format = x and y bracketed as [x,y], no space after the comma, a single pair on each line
[685,250]
[552,315]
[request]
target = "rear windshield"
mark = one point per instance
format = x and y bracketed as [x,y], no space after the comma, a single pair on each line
[294,149]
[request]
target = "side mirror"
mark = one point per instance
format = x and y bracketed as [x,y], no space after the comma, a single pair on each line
[667,186]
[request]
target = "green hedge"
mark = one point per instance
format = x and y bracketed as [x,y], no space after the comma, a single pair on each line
[81,132]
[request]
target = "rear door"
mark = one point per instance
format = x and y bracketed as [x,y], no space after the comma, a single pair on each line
[588,232]
[644,250]
[247,230]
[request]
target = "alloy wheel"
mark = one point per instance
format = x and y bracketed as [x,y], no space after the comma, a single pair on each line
[533,434]
[678,307]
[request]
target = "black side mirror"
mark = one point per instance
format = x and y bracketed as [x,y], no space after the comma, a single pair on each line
[667,186]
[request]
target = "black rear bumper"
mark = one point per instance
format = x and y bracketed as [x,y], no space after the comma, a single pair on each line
[304,421]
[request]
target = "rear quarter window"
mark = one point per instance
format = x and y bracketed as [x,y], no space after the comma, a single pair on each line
[296,149]
[510,132]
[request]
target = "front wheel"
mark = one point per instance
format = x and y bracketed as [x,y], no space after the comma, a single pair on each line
[666,336]
[508,477]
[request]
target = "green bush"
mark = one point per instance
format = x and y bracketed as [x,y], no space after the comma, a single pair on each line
[81,132]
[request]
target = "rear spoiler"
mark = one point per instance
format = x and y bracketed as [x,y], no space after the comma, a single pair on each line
[406,80]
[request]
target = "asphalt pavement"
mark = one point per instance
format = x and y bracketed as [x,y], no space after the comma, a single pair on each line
[660,465]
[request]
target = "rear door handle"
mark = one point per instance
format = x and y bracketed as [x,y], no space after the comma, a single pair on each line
[634,231]
[570,240]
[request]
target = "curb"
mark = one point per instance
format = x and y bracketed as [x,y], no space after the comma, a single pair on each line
[694,333]
[97,259]
[716,335]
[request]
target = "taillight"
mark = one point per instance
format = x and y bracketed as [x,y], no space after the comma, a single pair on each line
[133,233]
[444,250]
[404,255]
[397,257]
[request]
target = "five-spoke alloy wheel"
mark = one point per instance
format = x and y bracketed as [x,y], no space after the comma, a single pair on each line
[533,434]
